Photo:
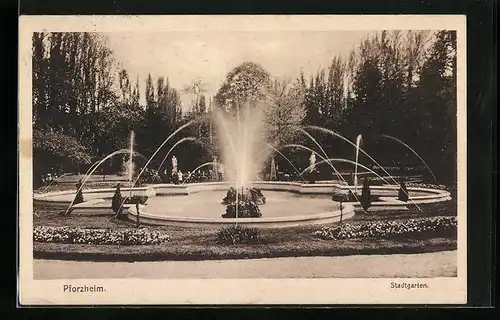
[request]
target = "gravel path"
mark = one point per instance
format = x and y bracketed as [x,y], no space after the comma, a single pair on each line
[426,265]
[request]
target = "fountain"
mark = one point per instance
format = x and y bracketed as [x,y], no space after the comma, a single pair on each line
[244,155]
[414,152]
[131,162]
[358,141]
[244,152]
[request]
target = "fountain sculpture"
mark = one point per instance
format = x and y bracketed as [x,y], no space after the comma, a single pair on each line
[174,164]
[243,203]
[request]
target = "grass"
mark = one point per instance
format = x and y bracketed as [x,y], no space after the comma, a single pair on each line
[200,244]
[71,186]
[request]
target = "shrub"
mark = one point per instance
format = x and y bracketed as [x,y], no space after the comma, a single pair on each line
[389,229]
[403,192]
[116,201]
[366,197]
[149,176]
[98,236]
[238,235]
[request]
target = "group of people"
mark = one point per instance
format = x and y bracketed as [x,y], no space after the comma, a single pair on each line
[178,177]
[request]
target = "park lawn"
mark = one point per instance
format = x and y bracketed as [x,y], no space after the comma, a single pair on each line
[71,186]
[200,244]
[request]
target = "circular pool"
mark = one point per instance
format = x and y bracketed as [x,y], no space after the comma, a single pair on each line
[199,204]
[207,204]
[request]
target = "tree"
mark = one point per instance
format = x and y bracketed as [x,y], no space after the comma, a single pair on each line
[55,150]
[244,84]
[438,87]
[284,112]
[72,81]
[332,111]
[414,55]
[125,87]
[150,92]
[367,89]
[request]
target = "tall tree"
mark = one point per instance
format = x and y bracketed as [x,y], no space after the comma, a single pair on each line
[125,87]
[150,92]
[414,55]
[246,83]
[285,111]
[334,94]
[438,86]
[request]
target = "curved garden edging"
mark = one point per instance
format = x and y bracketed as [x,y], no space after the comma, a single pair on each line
[58,252]
[275,222]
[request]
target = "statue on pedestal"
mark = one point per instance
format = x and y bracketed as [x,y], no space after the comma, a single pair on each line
[174,164]
[272,175]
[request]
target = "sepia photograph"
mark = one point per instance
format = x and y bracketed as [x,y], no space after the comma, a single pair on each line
[242,159]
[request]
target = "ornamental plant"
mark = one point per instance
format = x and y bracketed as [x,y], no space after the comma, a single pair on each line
[142,236]
[403,192]
[366,200]
[389,229]
[427,185]
[238,235]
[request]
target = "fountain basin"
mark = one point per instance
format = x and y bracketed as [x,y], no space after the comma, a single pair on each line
[198,204]
[272,222]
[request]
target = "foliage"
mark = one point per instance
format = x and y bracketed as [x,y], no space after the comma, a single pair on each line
[117,202]
[79,91]
[389,229]
[284,112]
[427,186]
[149,176]
[51,148]
[72,75]
[98,236]
[60,145]
[403,192]
[233,235]
[245,83]
[79,197]
[394,83]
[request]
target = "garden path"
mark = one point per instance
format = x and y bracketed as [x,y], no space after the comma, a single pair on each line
[436,264]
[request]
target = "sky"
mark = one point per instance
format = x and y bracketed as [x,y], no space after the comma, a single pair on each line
[210,55]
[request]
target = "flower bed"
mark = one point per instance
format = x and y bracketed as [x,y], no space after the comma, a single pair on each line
[389,229]
[427,186]
[141,236]
[238,235]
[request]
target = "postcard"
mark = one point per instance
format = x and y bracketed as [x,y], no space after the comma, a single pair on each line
[242,160]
